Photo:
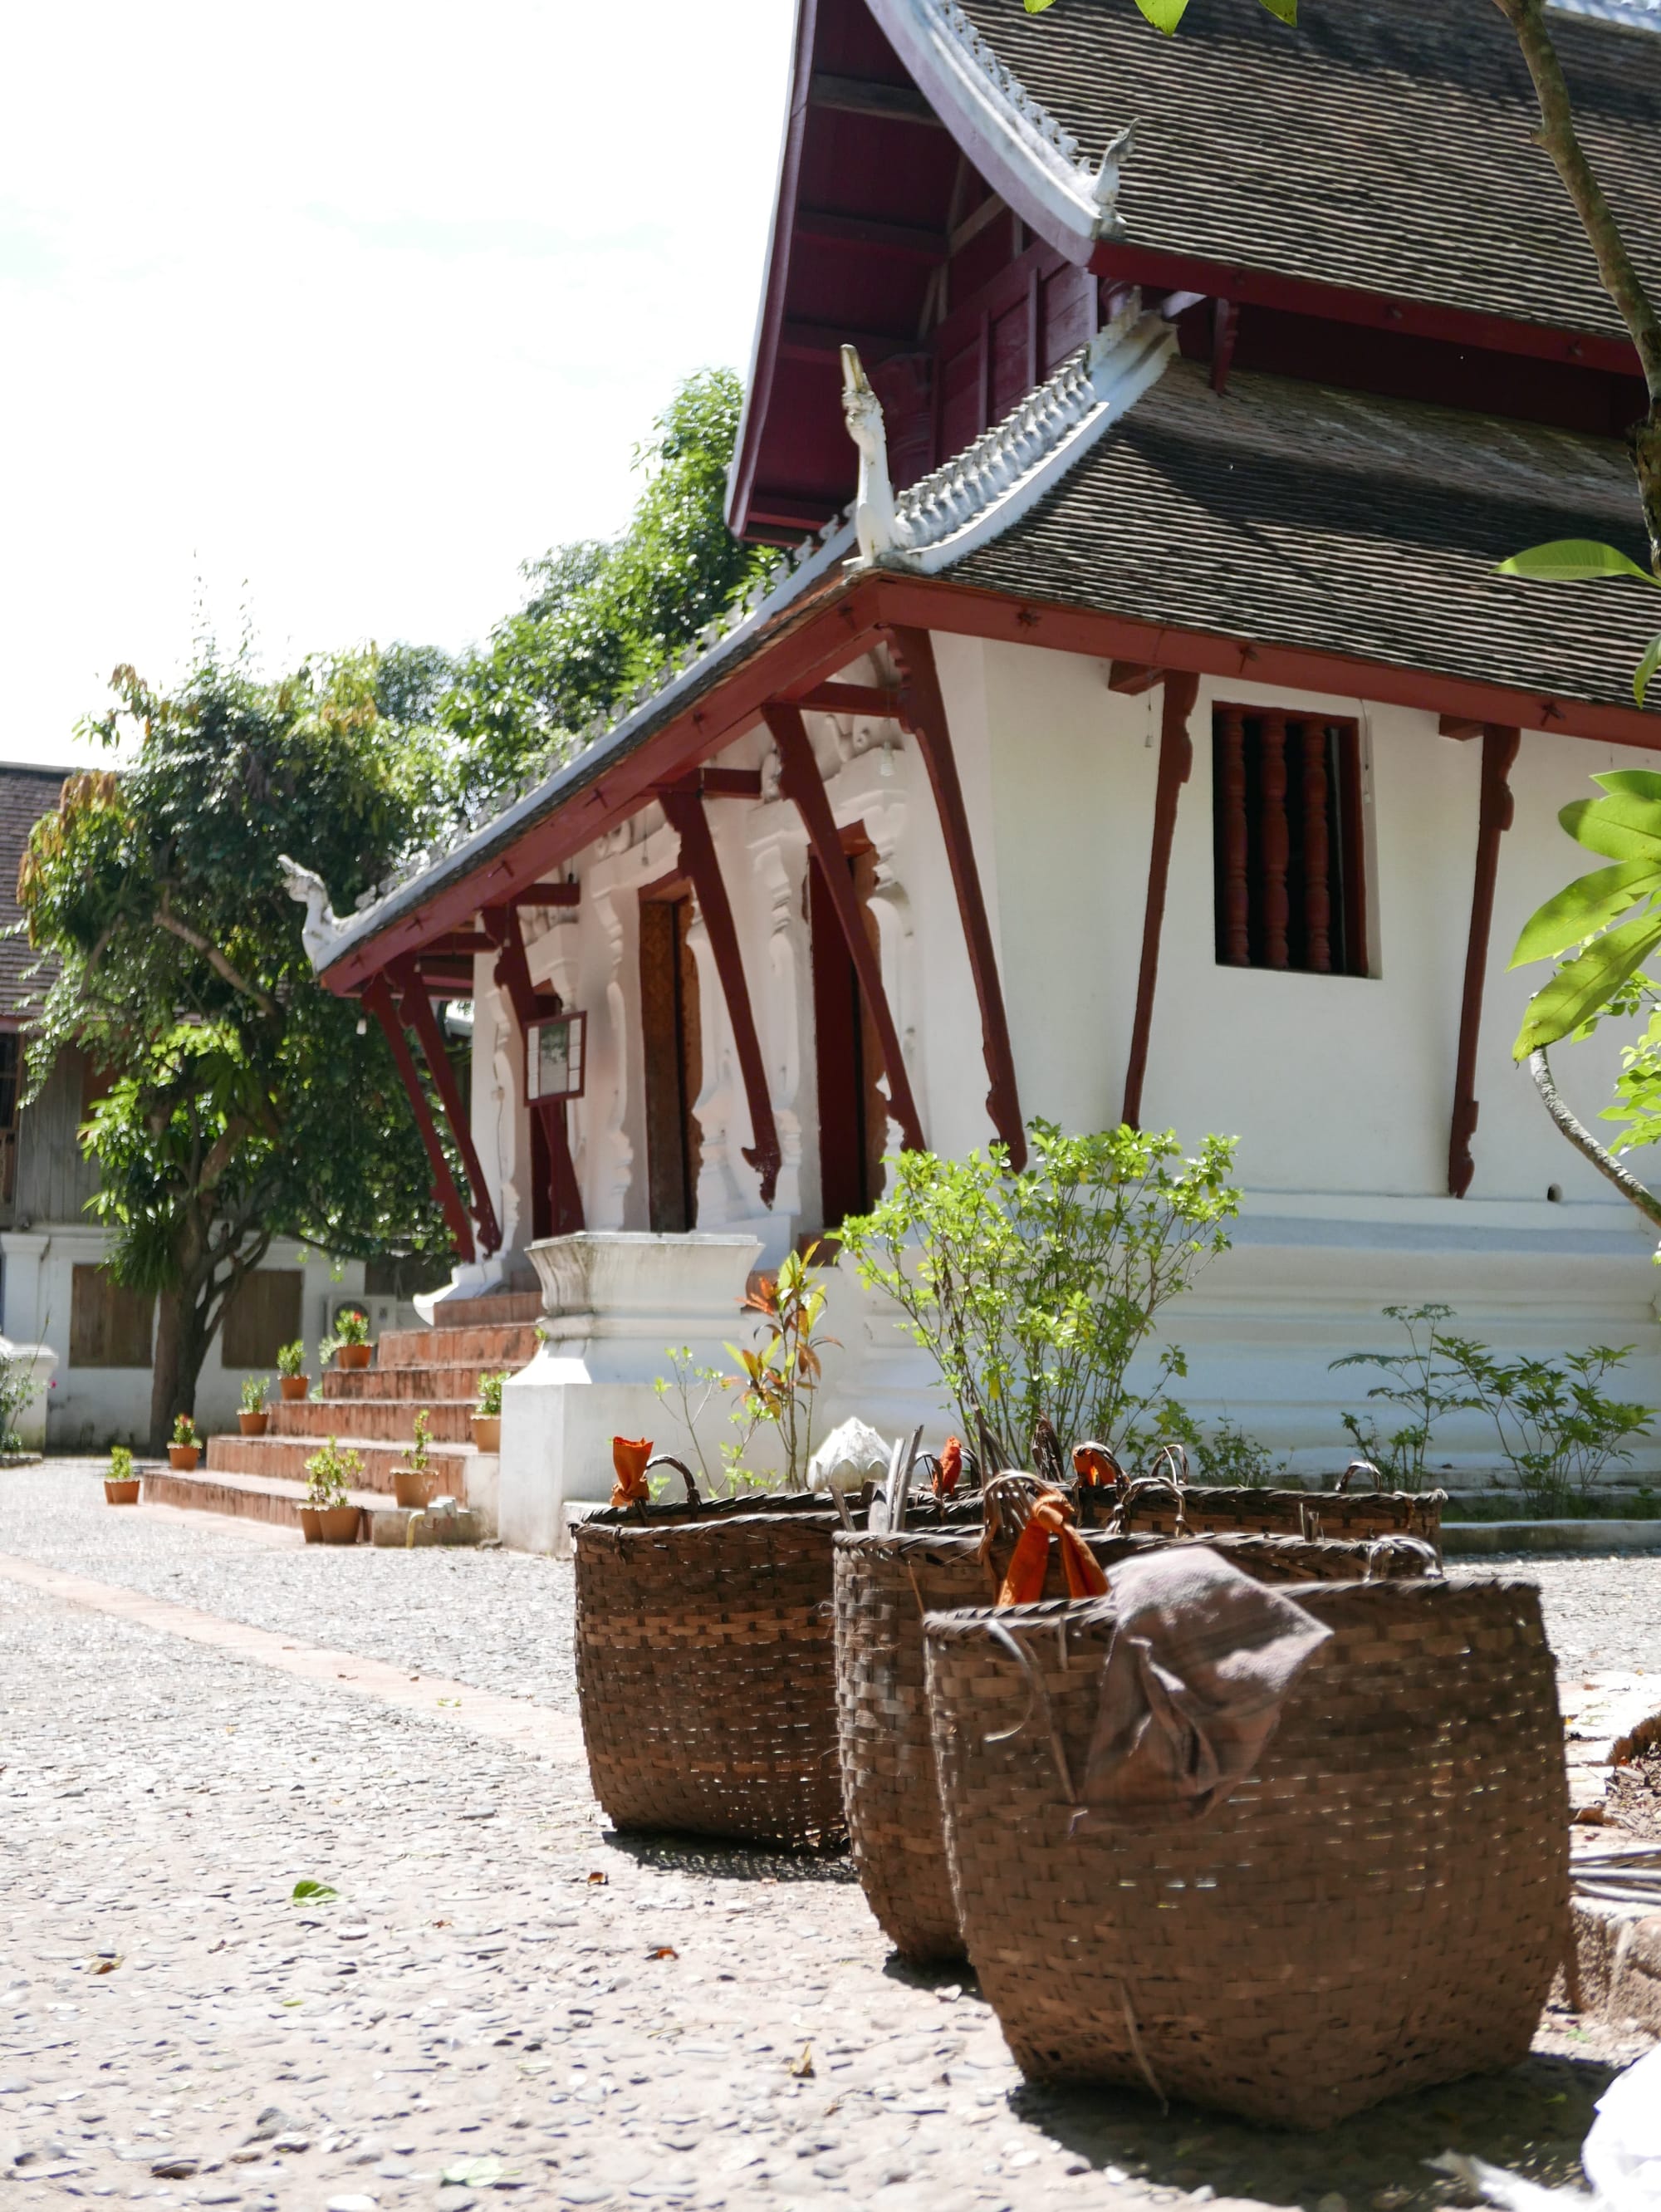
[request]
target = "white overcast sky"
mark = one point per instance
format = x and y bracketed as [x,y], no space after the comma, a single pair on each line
[336,313]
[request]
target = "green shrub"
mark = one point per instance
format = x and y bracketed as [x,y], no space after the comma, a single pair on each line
[330,1474]
[291,1360]
[256,1389]
[121,1464]
[186,1433]
[490,1396]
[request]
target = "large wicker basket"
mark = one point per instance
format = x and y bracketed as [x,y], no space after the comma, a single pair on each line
[884,1586]
[1165,1508]
[1381,1907]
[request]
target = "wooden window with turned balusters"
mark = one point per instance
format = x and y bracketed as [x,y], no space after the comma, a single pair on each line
[1288,848]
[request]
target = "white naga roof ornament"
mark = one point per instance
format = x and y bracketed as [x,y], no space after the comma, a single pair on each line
[321,932]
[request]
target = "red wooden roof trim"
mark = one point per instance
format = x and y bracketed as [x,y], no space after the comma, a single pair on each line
[415,1011]
[1117,263]
[1495,809]
[1176,760]
[764,352]
[931,603]
[378,999]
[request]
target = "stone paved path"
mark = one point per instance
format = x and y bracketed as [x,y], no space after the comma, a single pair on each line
[473,2016]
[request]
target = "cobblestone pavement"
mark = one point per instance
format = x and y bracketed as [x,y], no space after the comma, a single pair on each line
[472,2014]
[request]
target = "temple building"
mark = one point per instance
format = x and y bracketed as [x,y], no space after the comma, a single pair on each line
[1135,726]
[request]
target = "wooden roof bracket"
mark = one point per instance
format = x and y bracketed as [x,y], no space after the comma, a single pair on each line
[512,975]
[923,712]
[1176,760]
[1494,812]
[415,1012]
[683,809]
[799,780]
[378,998]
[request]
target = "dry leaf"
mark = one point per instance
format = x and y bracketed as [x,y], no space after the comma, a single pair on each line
[802,2068]
[663,1950]
[601,1879]
[105,1965]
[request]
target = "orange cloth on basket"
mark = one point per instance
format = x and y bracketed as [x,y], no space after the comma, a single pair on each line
[1024,1582]
[951,1466]
[629,1462]
[1095,1466]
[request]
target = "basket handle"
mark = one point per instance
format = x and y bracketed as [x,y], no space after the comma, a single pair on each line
[1360,1466]
[668,1459]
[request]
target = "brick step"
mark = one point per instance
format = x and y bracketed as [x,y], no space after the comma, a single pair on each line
[511,1345]
[496,1311]
[252,1497]
[408,1386]
[393,1418]
[283,1459]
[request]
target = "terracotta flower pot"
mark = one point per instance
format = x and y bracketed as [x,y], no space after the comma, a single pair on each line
[121,1494]
[311,1524]
[339,1524]
[183,1456]
[293,1386]
[354,1355]
[487,1432]
[253,1425]
[410,1487]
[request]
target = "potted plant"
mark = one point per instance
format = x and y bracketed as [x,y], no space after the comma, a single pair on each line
[488,1421]
[253,1418]
[328,1517]
[351,1338]
[412,1484]
[291,1369]
[186,1449]
[121,1483]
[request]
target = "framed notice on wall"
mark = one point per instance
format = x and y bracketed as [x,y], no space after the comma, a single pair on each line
[554,1057]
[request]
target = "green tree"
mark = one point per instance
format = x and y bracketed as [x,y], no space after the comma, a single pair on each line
[246,1105]
[602,618]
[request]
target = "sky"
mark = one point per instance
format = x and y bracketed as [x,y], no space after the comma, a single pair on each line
[317,320]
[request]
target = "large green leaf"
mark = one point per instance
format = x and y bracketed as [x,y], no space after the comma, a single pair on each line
[1163,15]
[1576,992]
[1645,669]
[1585,906]
[1570,561]
[1633,782]
[1619,827]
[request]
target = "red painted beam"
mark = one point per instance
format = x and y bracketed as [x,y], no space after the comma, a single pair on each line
[1494,817]
[378,999]
[513,976]
[699,865]
[872,699]
[1176,760]
[415,1009]
[548,895]
[1117,263]
[924,716]
[800,781]
[875,234]
[730,783]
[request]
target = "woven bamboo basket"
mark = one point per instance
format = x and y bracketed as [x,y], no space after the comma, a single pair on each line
[1165,1508]
[884,1586]
[1379,1907]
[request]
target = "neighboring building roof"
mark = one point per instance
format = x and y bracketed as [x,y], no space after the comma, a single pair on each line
[1385,146]
[1294,514]
[26,793]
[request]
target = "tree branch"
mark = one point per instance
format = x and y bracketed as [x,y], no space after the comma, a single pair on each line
[211,953]
[1583,1142]
[1615,265]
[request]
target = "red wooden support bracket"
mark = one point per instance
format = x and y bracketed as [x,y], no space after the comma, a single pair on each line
[923,713]
[513,976]
[1176,760]
[415,1009]
[799,780]
[378,999]
[1494,819]
[699,864]
[1133,677]
[870,699]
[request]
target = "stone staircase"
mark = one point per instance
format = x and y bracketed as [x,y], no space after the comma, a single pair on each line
[373,1410]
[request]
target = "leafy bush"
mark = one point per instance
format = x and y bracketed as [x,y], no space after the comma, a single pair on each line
[330,1474]
[256,1389]
[422,1450]
[351,1326]
[1557,1429]
[1232,1459]
[291,1360]
[186,1434]
[1033,1292]
[1427,1383]
[490,1396]
[16,1389]
[121,1464]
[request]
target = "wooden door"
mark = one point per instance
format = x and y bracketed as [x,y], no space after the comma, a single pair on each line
[853,1116]
[674,1063]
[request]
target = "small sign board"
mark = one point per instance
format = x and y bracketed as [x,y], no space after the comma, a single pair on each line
[554,1052]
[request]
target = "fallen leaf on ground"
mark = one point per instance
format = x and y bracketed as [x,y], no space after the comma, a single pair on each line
[105,1965]
[602,1879]
[313,1893]
[663,1950]
[472,2173]
[802,2068]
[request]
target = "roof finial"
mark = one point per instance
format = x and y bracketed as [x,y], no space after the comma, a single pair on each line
[873,512]
[1105,187]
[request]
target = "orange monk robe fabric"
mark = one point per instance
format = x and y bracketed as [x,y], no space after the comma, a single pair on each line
[628,1461]
[1096,1466]
[1024,1582]
[950,1467]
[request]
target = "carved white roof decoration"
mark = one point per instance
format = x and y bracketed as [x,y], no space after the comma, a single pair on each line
[1020,148]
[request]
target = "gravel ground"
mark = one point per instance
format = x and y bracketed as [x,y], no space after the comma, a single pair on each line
[1599,1612]
[498,1620]
[474,2012]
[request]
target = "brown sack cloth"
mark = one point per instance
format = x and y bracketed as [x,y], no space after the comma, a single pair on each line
[1191,1688]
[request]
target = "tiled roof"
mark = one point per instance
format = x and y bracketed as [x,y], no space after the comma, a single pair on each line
[26,793]
[1384,145]
[1297,515]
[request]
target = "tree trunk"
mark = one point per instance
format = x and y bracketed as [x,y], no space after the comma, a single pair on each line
[181,1346]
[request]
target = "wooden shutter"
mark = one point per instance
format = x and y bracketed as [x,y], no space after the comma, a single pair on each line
[262,1316]
[109,1326]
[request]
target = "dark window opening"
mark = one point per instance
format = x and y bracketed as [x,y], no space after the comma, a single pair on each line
[10,1072]
[854,1112]
[1288,843]
[674,1064]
